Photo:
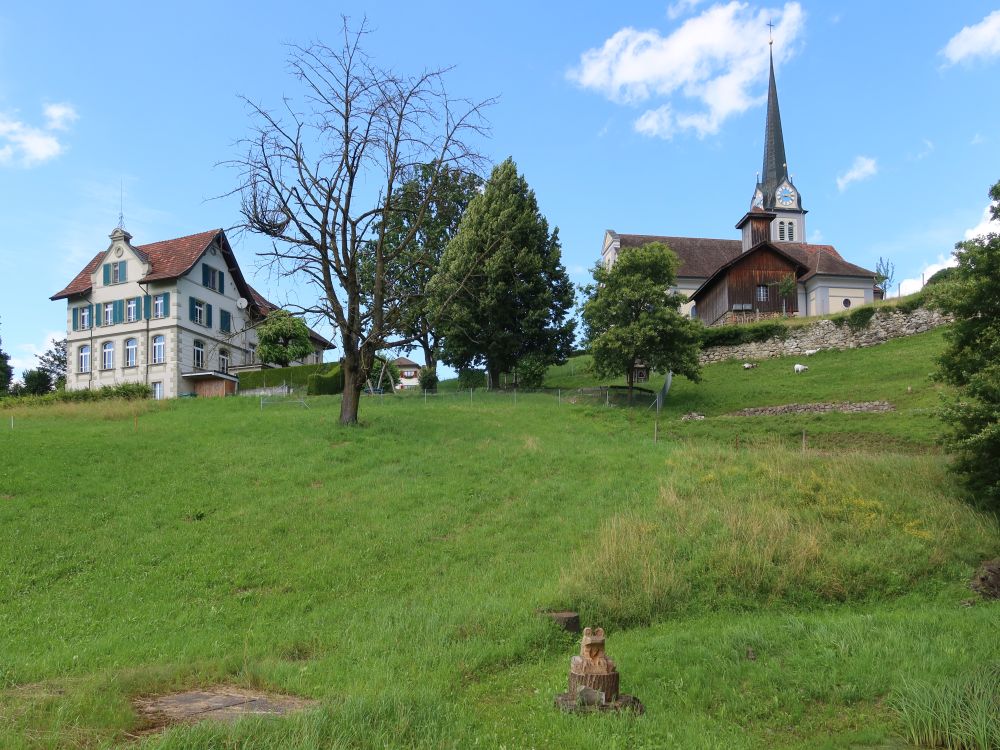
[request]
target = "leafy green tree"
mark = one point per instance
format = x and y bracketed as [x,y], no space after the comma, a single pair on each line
[972,360]
[37,382]
[631,316]
[54,362]
[420,229]
[501,292]
[6,374]
[283,338]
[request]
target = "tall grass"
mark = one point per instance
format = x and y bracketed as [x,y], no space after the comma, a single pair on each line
[960,714]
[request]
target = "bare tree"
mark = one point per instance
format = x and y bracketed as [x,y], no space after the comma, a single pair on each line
[885,272]
[320,180]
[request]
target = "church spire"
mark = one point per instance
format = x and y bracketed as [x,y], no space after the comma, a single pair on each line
[775,169]
[775,191]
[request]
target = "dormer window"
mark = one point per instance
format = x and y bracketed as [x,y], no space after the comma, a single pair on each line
[213,278]
[115,273]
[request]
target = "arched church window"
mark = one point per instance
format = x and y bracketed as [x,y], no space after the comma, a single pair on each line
[781,230]
[791,231]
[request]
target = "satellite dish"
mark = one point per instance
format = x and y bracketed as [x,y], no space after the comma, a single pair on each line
[242,303]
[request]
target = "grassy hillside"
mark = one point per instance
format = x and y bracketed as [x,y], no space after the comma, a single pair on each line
[395,571]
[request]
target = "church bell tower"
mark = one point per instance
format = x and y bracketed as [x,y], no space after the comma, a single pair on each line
[775,191]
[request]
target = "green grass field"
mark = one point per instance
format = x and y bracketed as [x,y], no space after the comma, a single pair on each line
[395,572]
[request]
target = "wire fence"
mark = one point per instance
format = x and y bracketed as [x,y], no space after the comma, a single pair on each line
[608,396]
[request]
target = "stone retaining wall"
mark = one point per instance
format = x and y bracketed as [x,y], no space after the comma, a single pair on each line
[886,324]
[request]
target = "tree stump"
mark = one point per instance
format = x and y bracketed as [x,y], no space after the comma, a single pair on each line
[604,683]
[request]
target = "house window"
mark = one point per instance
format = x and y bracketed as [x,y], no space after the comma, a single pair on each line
[159,306]
[109,313]
[84,318]
[791,231]
[224,360]
[762,293]
[199,354]
[847,302]
[212,278]
[107,356]
[118,273]
[85,358]
[158,349]
[781,230]
[198,312]
[225,321]
[251,354]
[132,310]
[158,391]
[131,352]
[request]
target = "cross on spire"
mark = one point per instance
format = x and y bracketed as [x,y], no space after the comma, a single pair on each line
[770,29]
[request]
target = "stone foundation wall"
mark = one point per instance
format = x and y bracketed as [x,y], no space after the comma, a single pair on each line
[886,324]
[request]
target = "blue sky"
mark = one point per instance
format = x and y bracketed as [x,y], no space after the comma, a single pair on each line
[640,117]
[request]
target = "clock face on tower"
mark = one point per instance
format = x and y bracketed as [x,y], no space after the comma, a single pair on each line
[785,196]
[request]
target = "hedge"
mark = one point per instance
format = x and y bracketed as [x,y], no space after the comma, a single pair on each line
[127,391]
[743,334]
[296,376]
[326,383]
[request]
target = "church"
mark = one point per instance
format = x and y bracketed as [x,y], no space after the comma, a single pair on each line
[747,279]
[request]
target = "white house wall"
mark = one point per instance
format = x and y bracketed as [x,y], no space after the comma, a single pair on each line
[827,293]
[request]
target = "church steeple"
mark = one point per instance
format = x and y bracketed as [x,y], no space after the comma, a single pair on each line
[775,169]
[775,190]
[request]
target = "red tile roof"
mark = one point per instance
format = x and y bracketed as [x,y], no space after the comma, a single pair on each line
[168,260]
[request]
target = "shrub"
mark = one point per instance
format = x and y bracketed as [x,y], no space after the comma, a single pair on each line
[531,371]
[428,379]
[471,379]
[914,301]
[126,391]
[326,383]
[743,334]
[861,318]
[295,376]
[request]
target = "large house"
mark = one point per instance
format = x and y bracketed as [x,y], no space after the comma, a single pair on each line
[177,315]
[739,280]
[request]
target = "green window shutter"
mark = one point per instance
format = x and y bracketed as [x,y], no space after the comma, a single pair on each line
[119,311]
[166,304]
[192,314]
[204,275]
[138,308]
[92,323]
[225,321]
[107,274]
[76,318]
[98,315]
[122,271]
[147,306]
[222,282]
[208,315]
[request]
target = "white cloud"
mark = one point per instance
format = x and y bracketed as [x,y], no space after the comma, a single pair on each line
[22,357]
[909,286]
[926,150]
[815,237]
[27,145]
[981,40]
[681,8]
[986,224]
[60,116]
[702,73]
[977,140]
[862,168]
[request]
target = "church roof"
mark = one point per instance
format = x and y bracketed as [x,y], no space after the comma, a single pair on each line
[700,256]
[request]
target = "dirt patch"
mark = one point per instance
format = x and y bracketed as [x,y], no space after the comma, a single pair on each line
[221,703]
[986,581]
[844,407]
